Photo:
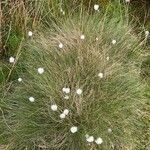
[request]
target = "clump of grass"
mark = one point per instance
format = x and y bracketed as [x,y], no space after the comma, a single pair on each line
[17,17]
[97,58]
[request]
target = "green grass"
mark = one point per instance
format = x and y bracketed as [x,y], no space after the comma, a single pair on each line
[111,102]
[117,101]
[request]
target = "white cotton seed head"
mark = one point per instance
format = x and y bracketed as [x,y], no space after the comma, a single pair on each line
[107,58]
[19,79]
[96,7]
[66,97]
[79,91]
[74,129]
[31,99]
[66,112]
[62,116]
[63,12]
[61,45]
[54,107]
[11,59]
[82,37]
[114,42]
[127,1]
[109,130]
[30,33]
[101,75]
[66,90]
[99,141]
[40,70]
[90,139]
[146,33]
[97,39]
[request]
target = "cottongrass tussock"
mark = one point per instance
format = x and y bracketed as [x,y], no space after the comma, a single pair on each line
[92,93]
